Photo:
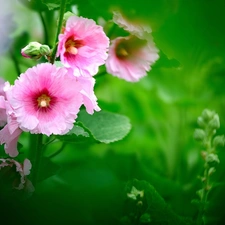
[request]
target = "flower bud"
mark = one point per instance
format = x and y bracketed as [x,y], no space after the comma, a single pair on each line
[201,122]
[35,50]
[214,123]
[207,114]
[212,159]
[65,18]
[200,193]
[134,194]
[45,50]
[199,134]
[211,171]
[219,141]
[32,51]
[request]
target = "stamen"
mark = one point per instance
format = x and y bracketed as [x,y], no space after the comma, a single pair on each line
[43,101]
[122,52]
[72,50]
[72,46]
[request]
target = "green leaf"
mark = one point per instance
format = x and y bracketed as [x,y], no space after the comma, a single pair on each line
[55,4]
[52,6]
[77,134]
[58,64]
[154,207]
[77,130]
[105,126]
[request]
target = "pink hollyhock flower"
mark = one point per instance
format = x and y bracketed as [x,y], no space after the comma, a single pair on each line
[3,117]
[46,99]
[135,27]
[23,169]
[2,84]
[131,57]
[83,45]
[87,91]
[10,133]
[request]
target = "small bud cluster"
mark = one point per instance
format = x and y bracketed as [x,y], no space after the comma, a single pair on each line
[208,122]
[137,200]
[35,50]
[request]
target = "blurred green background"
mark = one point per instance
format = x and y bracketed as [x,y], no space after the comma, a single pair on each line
[163,108]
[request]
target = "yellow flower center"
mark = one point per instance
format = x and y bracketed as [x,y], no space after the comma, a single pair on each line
[43,100]
[122,52]
[73,45]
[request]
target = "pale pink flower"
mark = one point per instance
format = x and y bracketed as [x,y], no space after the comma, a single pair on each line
[131,57]
[9,136]
[2,84]
[83,45]
[3,117]
[23,169]
[135,27]
[46,99]
[10,133]
[87,83]
[87,91]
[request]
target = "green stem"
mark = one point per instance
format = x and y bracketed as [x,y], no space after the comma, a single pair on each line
[46,41]
[206,183]
[37,156]
[59,151]
[61,14]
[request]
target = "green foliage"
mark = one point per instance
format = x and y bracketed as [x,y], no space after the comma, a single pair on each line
[82,178]
[149,207]
[105,126]
[210,122]
[77,135]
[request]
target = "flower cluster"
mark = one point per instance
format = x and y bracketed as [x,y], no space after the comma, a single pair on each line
[46,98]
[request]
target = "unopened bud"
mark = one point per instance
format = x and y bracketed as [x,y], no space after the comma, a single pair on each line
[35,50]
[200,193]
[201,122]
[212,159]
[65,18]
[214,123]
[67,15]
[199,134]
[45,50]
[219,141]
[207,114]
[211,171]
[135,193]
[203,154]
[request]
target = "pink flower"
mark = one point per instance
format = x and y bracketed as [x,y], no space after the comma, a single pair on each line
[10,133]
[3,117]
[9,136]
[46,99]
[2,84]
[135,27]
[23,170]
[83,45]
[131,57]
[87,91]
